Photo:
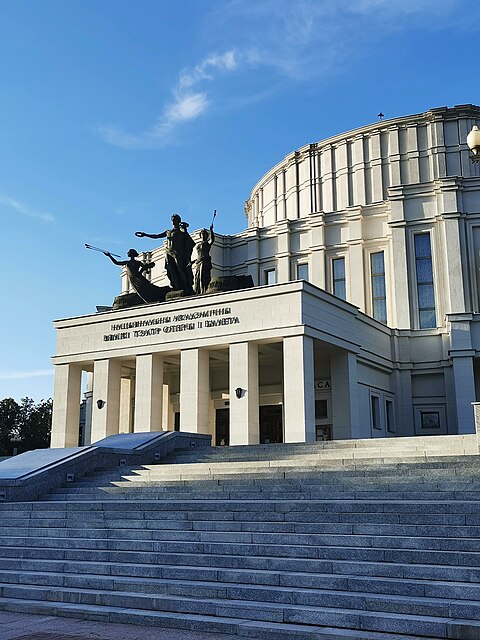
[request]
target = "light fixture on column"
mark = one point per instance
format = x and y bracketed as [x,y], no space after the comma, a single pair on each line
[473,142]
[101,404]
[239,392]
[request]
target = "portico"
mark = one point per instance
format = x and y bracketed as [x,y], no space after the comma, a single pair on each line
[241,366]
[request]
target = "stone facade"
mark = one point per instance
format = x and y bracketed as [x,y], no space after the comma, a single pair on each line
[364,321]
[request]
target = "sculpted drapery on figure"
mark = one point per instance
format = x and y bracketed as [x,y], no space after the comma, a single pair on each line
[147,291]
[178,259]
[203,263]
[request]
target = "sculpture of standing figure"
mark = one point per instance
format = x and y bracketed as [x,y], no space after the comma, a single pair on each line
[178,259]
[203,263]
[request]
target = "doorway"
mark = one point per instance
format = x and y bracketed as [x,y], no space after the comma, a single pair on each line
[222,427]
[271,423]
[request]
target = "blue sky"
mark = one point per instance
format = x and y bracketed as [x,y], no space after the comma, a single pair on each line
[114,114]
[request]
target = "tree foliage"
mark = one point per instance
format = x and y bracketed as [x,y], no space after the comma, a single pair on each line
[25,425]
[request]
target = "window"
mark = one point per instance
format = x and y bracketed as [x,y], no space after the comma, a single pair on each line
[390,417]
[430,419]
[375,410]
[302,271]
[270,276]
[424,275]
[321,409]
[338,271]
[379,298]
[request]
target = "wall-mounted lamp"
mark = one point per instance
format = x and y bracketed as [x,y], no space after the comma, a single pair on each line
[101,404]
[239,392]
[473,142]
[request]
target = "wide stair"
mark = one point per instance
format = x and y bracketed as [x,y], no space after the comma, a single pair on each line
[362,539]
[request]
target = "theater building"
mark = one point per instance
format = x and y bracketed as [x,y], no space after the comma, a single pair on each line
[363,321]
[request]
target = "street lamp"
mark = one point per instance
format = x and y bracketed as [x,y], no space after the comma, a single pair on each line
[473,142]
[14,441]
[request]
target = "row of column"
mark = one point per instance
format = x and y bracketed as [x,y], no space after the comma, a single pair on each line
[298,394]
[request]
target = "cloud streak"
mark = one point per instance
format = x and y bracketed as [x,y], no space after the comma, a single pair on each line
[25,210]
[188,103]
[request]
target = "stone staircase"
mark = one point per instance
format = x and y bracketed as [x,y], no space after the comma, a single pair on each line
[356,539]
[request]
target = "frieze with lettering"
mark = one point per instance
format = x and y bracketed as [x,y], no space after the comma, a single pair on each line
[171,323]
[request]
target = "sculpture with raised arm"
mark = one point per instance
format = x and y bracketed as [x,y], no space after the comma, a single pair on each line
[203,263]
[147,291]
[178,258]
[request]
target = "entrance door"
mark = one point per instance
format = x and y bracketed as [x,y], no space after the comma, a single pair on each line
[323,417]
[271,424]
[222,427]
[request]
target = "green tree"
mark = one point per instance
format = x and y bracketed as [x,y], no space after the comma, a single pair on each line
[26,423]
[9,417]
[35,424]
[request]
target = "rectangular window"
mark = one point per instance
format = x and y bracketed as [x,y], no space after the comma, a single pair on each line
[424,274]
[321,409]
[379,296]
[375,409]
[430,419]
[270,276]
[302,271]
[389,414]
[339,282]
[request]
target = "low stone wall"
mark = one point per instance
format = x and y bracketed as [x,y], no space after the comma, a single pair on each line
[32,474]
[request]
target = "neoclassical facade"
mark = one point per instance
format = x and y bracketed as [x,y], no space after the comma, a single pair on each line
[364,320]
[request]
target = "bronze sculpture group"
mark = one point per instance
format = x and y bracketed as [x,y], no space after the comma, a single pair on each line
[178,263]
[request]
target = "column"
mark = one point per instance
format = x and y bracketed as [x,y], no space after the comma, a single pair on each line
[244,423]
[298,389]
[149,393]
[106,387]
[125,420]
[464,393]
[194,390]
[345,398]
[66,405]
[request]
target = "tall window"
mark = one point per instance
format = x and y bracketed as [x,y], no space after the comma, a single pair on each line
[379,298]
[302,271]
[338,270]
[375,411]
[424,273]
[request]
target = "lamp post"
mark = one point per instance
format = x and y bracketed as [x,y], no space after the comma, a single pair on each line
[15,441]
[473,142]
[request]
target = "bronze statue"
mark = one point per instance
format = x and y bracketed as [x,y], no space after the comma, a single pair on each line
[147,291]
[203,263]
[178,259]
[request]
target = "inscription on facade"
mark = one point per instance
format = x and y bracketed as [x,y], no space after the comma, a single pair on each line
[171,323]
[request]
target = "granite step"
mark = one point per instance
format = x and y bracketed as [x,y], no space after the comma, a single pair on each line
[212,581]
[353,611]
[289,541]
[241,627]
[233,554]
[147,529]
[181,566]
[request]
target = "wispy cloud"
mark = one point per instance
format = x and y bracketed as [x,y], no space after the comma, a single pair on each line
[20,375]
[188,103]
[25,210]
[283,40]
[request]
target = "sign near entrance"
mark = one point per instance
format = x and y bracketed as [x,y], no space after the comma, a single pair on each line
[322,385]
